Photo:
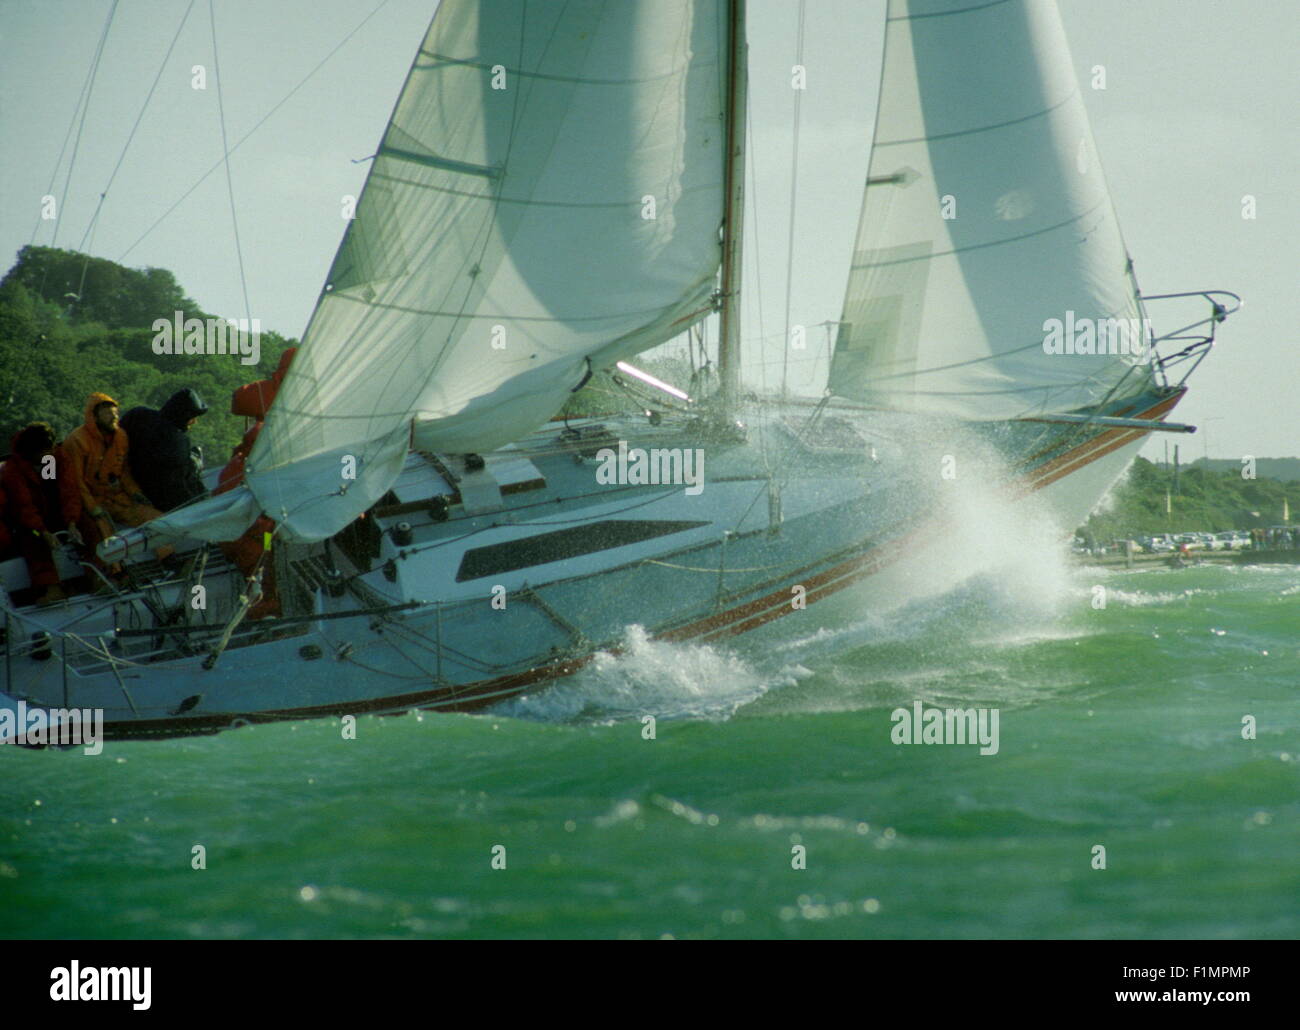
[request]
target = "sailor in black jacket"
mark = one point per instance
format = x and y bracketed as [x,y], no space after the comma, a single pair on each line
[164,462]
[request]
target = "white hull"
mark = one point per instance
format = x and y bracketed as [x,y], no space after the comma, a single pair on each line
[517,587]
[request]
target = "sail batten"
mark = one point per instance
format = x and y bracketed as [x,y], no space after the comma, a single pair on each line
[985,221]
[433,161]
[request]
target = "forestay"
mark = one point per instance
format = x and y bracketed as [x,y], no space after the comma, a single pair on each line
[985,217]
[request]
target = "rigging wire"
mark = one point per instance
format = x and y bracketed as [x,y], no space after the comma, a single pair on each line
[88,235]
[54,172]
[244,138]
[794,193]
[85,108]
[22,367]
[225,148]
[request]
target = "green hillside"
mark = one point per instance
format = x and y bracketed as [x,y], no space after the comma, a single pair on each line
[1205,501]
[71,324]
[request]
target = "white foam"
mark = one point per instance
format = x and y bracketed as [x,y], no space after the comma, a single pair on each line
[1147,599]
[653,677]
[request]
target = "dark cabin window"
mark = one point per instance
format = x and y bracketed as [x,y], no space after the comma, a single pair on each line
[564,543]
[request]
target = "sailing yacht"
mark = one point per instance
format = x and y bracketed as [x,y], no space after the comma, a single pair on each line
[560,188]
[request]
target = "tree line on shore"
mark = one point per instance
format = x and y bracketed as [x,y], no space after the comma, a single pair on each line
[1204,500]
[71,324]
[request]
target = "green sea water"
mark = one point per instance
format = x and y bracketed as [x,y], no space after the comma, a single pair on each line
[1120,727]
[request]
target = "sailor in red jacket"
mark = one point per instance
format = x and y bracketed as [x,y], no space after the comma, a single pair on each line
[41,498]
[253,400]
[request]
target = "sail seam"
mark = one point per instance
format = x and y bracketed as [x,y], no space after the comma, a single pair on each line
[990,243]
[982,128]
[498,316]
[470,63]
[452,191]
[962,364]
[946,14]
[483,235]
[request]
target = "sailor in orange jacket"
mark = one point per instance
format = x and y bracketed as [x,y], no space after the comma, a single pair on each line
[97,452]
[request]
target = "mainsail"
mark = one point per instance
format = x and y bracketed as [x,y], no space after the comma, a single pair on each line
[546,200]
[985,217]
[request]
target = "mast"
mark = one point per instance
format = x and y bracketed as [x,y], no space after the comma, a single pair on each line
[734,185]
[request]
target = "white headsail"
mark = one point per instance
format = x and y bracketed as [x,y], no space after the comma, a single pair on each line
[986,217]
[546,199]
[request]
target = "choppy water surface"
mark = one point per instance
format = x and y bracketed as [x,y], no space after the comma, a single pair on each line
[1119,726]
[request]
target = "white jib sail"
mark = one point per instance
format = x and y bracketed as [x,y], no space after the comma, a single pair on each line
[548,192]
[986,220]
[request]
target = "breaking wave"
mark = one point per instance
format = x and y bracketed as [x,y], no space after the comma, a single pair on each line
[653,677]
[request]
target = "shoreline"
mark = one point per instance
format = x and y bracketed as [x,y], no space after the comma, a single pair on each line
[1248,557]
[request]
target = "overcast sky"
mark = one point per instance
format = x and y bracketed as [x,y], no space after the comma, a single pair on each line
[1198,112]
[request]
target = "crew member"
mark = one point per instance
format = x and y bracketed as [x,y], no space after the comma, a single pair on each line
[97,455]
[163,459]
[253,400]
[40,499]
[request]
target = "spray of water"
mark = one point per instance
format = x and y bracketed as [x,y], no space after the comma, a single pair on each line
[990,568]
[985,580]
[987,554]
[652,677]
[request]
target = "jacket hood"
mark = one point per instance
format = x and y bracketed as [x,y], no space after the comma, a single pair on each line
[93,402]
[14,441]
[182,406]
